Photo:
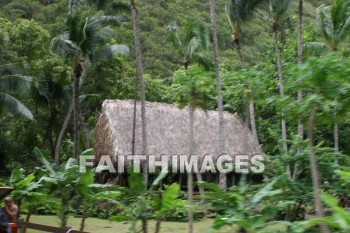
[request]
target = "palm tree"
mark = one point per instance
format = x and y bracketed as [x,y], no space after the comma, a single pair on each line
[188,43]
[299,61]
[10,80]
[84,43]
[278,10]
[222,143]
[334,23]
[139,68]
[314,170]
[239,12]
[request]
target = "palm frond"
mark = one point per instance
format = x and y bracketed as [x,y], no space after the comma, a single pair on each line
[99,20]
[14,106]
[94,33]
[324,22]
[342,19]
[108,52]
[229,17]
[203,61]
[279,8]
[106,32]
[314,48]
[173,36]
[192,46]
[100,4]
[63,46]
[194,29]
[10,68]
[20,84]
[120,7]
[82,98]
[240,11]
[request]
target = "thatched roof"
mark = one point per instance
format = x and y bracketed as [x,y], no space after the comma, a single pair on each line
[168,131]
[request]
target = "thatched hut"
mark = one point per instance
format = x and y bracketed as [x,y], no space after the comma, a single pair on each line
[168,131]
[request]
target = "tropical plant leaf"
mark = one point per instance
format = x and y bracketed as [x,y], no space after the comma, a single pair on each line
[14,106]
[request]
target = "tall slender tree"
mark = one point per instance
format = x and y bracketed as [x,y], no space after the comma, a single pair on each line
[188,43]
[139,67]
[278,10]
[239,12]
[190,40]
[300,92]
[334,23]
[222,142]
[84,43]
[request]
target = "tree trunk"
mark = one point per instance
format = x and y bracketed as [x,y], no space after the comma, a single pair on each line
[252,118]
[190,173]
[84,130]
[300,92]
[63,212]
[48,135]
[144,225]
[237,43]
[222,145]
[336,140]
[314,170]
[61,134]
[281,87]
[336,137]
[157,228]
[200,179]
[76,79]
[133,140]
[139,68]
[84,216]
[66,122]
[251,108]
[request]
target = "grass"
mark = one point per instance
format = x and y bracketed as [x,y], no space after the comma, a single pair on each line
[95,225]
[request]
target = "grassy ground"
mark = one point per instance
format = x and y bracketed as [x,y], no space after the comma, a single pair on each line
[95,225]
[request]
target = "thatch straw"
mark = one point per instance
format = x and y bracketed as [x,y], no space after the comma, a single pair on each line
[167,131]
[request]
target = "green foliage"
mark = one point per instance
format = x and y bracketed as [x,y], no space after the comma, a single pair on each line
[339,220]
[141,203]
[16,83]
[325,83]
[193,85]
[85,36]
[189,41]
[248,213]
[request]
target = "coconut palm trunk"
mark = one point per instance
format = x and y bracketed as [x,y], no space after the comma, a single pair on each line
[76,79]
[222,145]
[66,122]
[281,87]
[84,130]
[314,171]
[336,140]
[139,68]
[237,43]
[190,173]
[300,92]
[251,108]
[61,134]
